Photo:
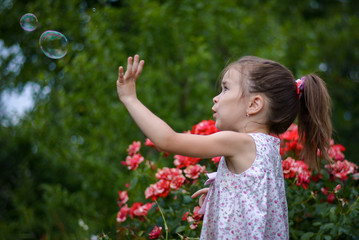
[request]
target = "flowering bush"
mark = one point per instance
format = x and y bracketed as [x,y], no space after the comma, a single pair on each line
[156,203]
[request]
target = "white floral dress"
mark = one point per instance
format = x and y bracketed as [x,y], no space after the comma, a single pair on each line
[251,205]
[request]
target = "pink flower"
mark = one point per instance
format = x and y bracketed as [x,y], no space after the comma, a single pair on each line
[193,225]
[337,188]
[204,128]
[122,198]
[183,161]
[159,189]
[316,178]
[122,214]
[303,174]
[193,171]
[134,207]
[134,148]
[185,216]
[196,215]
[289,167]
[289,141]
[341,169]
[298,170]
[177,182]
[324,190]
[149,143]
[331,197]
[215,160]
[194,218]
[336,151]
[167,173]
[139,210]
[172,175]
[155,233]
[133,161]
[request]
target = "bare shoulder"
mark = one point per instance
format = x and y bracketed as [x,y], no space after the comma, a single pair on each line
[237,140]
[244,153]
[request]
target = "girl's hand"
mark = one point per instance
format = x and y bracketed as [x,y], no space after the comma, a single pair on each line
[203,192]
[126,83]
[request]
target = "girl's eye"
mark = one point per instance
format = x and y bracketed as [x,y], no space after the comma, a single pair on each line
[225,89]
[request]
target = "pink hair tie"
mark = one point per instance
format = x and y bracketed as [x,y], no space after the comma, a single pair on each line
[300,86]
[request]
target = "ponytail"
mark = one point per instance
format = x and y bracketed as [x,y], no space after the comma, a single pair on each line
[314,124]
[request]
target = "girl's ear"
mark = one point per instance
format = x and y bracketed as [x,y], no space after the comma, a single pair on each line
[256,104]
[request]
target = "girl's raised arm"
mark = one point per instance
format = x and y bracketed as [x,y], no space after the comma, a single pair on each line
[225,143]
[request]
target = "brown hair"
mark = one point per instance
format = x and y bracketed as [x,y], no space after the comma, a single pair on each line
[278,84]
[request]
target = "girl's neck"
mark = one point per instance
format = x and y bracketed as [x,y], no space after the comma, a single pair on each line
[256,128]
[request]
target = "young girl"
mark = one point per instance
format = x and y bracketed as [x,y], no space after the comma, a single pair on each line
[259,98]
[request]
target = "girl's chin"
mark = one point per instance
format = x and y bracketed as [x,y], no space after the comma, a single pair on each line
[218,126]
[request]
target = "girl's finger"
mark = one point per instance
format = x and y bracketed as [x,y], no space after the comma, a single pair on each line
[129,67]
[139,69]
[135,63]
[120,74]
[201,200]
[200,192]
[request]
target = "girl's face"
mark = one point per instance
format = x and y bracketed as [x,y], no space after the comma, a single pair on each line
[230,105]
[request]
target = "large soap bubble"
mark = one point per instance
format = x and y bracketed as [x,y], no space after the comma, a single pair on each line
[53,44]
[28,22]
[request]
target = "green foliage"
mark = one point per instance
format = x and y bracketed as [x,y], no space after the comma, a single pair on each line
[71,143]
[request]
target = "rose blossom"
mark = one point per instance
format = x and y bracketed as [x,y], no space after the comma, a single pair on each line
[289,141]
[289,167]
[331,197]
[215,160]
[134,148]
[139,210]
[168,173]
[193,171]
[194,218]
[155,233]
[341,169]
[159,189]
[184,161]
[122,214]
[337,188]
[149,143]
[177,182]
[303,174]
[336,151]
[133,161]
[204,128]
[122,198]
[297,169]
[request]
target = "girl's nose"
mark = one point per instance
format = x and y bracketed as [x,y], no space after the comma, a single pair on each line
[215,99]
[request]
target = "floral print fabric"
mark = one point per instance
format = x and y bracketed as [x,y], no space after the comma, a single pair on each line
[250,205]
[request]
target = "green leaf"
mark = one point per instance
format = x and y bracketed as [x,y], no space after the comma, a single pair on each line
[180,229]
[307,235]
[327,226]
[327,237]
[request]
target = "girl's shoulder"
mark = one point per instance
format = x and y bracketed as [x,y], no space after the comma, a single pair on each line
[263,138]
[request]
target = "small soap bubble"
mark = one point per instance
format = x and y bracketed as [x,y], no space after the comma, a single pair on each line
[28,22]
[54,44]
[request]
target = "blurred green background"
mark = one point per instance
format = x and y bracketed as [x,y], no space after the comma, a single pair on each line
[60,162]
